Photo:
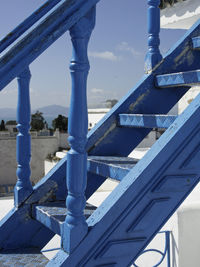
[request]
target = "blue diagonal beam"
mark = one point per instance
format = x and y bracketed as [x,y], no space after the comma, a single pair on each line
[27,23]
[188,78]
[146,121]
[43,35]
[196,42]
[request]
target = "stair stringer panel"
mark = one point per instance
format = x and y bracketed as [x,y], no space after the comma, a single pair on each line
[145,199]
[18,229]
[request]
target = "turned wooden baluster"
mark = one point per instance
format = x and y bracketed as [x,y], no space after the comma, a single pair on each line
[75,227]
[23,186]
[153,56]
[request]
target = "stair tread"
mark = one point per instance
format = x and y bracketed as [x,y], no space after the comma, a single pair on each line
[53,214]
[146,120]
[22,257]
[186,78]
[112,167]
[196,42]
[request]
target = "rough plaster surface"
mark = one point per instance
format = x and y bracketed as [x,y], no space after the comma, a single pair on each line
[41,147]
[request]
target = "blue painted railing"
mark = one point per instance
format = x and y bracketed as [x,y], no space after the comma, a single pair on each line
[23,186]
[41,37]
[153,56]
[27,23]
[75,224]
[79,18]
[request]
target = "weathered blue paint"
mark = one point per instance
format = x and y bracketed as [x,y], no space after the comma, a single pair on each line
[133,213]
[75,227]
[19,230]
[146,121]
[27,23]
[23,186]
[188,78]
[22,257]
[150,191]
[38,40]
[165,253]
[196,42]
[53,214]
[112,167]
[153,56]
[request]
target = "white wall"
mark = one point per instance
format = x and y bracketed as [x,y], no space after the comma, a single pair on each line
[187,98]
[41,147]
[95,115]
[181,16]
[62,139]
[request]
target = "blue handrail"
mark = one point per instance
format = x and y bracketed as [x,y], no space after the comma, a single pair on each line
[27,23]
[38,40]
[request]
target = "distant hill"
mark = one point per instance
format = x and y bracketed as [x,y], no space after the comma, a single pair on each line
[48,111]
[53,111]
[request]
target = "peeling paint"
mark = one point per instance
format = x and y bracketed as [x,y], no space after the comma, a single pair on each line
[181,55]
[139,99]
[110,129]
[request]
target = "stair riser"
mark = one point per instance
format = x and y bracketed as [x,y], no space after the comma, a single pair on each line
[178,79]
[196,43]
[146,121]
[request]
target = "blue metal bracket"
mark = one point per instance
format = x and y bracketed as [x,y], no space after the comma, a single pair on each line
[165,253]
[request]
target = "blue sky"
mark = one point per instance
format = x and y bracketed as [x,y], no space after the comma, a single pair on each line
[116,51]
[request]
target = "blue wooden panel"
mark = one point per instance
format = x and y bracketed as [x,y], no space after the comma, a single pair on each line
[53,214]
[18,229]
[113,167]
[188,78]
[146,121]
[38,40]
[27,23]
[145,199]
[196,42]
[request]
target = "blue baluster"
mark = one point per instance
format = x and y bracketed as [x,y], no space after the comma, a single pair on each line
[23,186]
[75,227]
[153,56]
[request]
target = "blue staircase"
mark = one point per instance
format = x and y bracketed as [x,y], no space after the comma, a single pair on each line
[150,190]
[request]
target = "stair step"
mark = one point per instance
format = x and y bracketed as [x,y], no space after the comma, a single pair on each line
[187,78]
[113,167]
[22,257]
[52,214]
[196,42]
[146,121]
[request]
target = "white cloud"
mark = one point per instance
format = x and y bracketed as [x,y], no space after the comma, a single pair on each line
[104,55]
[124,46]
[96,91]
